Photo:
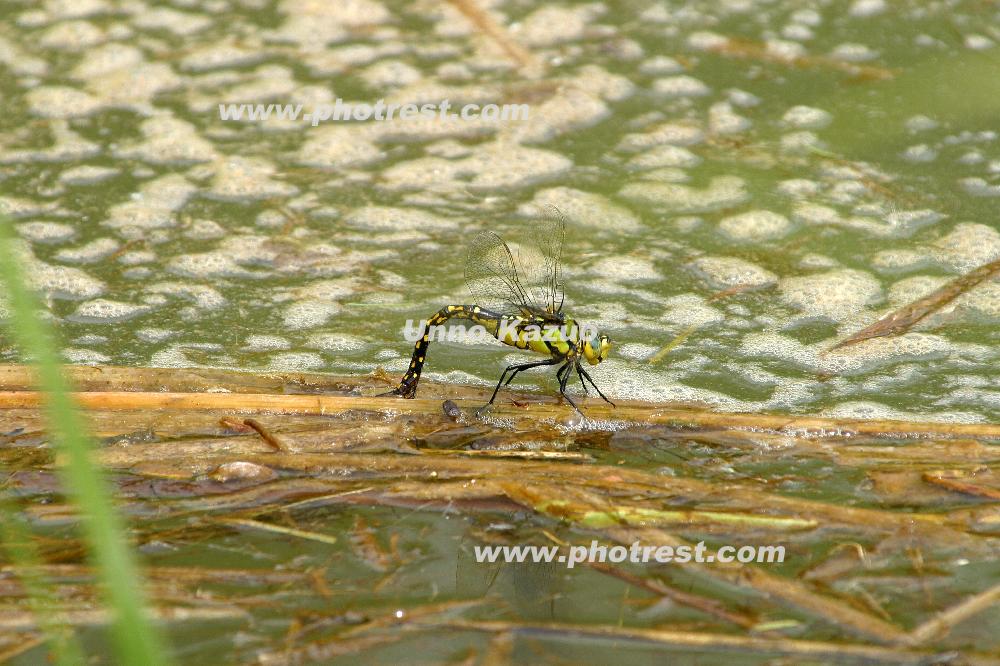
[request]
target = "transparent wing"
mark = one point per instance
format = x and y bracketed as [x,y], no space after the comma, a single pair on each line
[545,276]
[527,278]
[492,277]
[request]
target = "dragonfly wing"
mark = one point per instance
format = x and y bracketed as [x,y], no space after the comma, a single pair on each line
[524,280]
[492,276]
[547,279]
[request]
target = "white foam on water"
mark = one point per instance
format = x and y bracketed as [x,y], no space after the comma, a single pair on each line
[386,218]
[153,335]
[806,117]
[107,311]
[168,140]
[87,175]
[691,310]
[259,343]
[728,272]
[46,232]
[755,226]
[202,296]
[721,192]
[680,85]
[664,156]
[838,294]
[586,209]
[89,253]
[336,342]
[309,314]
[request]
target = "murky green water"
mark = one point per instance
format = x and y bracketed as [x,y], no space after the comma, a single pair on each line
[826,164]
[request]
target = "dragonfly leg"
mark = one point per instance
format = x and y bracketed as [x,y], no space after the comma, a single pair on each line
[584,375]
[563,376]
[513,370]
[579,373]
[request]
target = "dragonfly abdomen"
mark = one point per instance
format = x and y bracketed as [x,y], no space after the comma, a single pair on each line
[491,321]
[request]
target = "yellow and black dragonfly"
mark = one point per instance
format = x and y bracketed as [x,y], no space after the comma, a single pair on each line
[518,299]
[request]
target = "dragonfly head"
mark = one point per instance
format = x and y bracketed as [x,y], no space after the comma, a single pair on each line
[596,348]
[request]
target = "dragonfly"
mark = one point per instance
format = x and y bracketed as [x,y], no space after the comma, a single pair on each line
[518,298]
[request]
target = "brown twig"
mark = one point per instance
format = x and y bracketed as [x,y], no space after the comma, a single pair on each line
[266,435]
[906,317]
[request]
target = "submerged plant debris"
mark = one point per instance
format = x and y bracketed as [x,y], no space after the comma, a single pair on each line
[890,528]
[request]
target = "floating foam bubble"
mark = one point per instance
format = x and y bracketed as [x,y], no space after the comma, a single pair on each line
[626,269]
[296,362]
[201,229]
[723,120]
[691,310]
[837,294]
[673,134]
[87,175]
[336,342]
[797,32]
[721,192]
[801,143]
[72,36]
[394,219]
[799,188]
[870,410]
[852,52]
[203,296]
[61,102]
[391,74]
[153,206]
[207,265]
[978,187]
[89,253]
[919,153]
[182,24]
[260,343]
[60,281]
[967,246]
[806,117]
[978,42]
[729,272]
[552,25]
[755,226]
[309,314]
[154,335]
[241,180]
[866,8]
[635,351]
[574,109]
[660,65]
[46,232]
[914,288]
[106,311]
[168,140]
[664,156]
[85,356]
[920,123]
[681,85]
[893,261]
[494,166]
[584,208]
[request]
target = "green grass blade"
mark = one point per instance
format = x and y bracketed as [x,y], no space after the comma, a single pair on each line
[135,639]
